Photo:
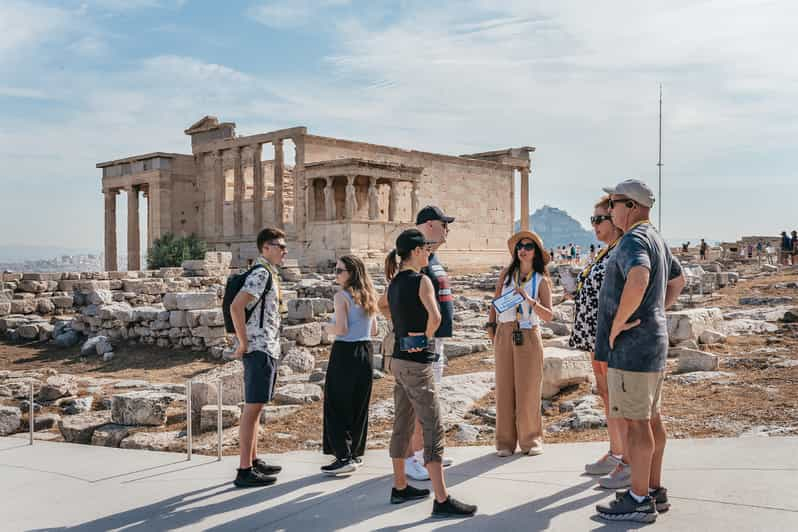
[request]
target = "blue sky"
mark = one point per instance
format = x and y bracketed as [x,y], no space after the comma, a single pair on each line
[93,80]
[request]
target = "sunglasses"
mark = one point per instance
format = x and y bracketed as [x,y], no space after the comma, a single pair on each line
[529,246]
[595,220]
[628,203]
[339,271]
[282,247]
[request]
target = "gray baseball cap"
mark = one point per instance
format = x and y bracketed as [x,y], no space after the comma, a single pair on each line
[633,189]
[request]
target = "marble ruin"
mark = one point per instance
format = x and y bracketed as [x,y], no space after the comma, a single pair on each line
[338,196]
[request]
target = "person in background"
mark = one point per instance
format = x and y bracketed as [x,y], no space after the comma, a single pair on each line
[409,302]
[347,388]
[702,250]
[786,248]
[519,347]
[794,242]
[583,337]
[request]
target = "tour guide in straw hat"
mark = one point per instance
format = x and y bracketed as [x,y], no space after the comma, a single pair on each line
[519,347]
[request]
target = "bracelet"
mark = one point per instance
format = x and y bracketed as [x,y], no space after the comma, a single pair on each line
[490,325]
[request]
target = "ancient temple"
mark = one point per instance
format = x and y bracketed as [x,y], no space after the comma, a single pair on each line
[334,197]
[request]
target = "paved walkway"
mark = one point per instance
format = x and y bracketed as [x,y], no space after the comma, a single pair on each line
[725,484]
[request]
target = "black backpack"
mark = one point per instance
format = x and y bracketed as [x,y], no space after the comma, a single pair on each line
[231,289]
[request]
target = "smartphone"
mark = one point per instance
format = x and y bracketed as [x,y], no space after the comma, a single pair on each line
[413,342]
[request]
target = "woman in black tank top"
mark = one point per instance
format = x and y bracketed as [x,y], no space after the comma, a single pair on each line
[411,305]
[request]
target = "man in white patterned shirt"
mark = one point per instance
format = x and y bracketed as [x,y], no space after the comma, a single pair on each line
[257,343]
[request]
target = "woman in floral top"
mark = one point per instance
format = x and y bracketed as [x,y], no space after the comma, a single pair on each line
[586,301]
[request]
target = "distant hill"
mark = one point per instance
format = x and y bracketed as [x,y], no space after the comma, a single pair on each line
[557,228]
[23,252]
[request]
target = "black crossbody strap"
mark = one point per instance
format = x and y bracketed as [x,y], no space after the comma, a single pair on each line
[263,295]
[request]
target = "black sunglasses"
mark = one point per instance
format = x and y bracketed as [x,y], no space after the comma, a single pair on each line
[595,220]
[529,246]
[279,245]
[339,271]
[626,201]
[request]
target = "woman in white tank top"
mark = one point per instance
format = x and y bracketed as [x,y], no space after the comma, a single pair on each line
[518,346]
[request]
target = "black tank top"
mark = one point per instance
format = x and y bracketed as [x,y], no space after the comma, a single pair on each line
[408,313]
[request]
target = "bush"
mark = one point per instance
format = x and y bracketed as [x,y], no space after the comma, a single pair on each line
[170,251]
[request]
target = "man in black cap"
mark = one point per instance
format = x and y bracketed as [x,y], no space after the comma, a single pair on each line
[434,225]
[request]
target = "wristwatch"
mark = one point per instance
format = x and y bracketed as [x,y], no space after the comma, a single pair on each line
[490,325]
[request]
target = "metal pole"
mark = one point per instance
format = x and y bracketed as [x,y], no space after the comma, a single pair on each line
[659,162]
[188,419]
[219,417]
[30,413]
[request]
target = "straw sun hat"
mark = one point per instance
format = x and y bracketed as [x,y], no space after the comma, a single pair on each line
[521,235]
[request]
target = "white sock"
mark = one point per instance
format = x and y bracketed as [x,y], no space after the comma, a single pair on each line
[617,456]
[419,455]
[638,498]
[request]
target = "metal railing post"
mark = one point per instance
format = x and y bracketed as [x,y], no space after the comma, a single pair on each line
[30,413]
[219,417]
[188,419]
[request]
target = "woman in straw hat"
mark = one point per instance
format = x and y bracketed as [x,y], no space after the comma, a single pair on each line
[519,347]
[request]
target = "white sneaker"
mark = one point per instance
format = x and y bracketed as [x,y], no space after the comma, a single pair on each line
[504,453]
[415,469]
[446,462]
[621,477]
[603,466]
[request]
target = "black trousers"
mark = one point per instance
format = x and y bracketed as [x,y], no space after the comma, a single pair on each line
[347,392]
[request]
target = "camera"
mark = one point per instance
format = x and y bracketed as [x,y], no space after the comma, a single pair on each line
[518,337]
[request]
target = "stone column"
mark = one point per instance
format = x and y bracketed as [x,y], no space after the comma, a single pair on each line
[393,200]
[110,230]
[414,199]
[374,200]
[525,199]
[329,200]
[351,197]
[133,230]
[238,196]
[219,193]
[279,164]
[257,181]
[311,194]
[145,192]
[302,212]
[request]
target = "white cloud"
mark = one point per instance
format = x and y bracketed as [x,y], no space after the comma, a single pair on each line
[290,13]
[24,25]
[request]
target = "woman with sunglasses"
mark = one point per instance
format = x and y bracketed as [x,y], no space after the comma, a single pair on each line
[519,348]
[349,373]
[409,302]
[583,337]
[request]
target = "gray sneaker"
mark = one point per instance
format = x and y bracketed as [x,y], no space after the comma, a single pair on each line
[621,477]
[628,509]
[603,466]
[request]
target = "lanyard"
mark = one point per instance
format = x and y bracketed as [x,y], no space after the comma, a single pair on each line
[583,276]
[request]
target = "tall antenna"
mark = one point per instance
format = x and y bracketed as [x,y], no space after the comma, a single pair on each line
[659,161]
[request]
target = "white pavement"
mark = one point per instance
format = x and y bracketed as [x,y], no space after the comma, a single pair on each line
[724,484]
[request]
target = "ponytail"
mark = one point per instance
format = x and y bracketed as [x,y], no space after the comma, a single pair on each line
[390,265]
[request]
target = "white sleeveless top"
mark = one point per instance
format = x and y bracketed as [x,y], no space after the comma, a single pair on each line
[526,311]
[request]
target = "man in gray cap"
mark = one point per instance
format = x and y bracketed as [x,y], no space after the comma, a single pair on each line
[642,280]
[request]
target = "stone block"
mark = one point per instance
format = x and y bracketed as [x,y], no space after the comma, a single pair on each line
[709,337]
[97,344]
[10,420]
[23,306]
[63,302]
[204,387]
[211,318]
[58,386]
[155,441]
[297,394]
[33,286]
[209,417]
[694,360]
[80,428]
[141,408]
[299,360]
[45,421]
[177,318]
[28,331]
[564,367]
[110,435]
[196,300]
[100,296]
[307,334]
[690,323]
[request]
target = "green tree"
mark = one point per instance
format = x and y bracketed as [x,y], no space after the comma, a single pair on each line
[170,251]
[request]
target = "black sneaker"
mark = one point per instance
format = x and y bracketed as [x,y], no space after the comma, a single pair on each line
[628,509]
[249,478]
[452,508]
[358,459]
[340,466]
[660,496]
[265,469]
[408,494]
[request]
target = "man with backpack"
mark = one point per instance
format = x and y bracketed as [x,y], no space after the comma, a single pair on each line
[252,310]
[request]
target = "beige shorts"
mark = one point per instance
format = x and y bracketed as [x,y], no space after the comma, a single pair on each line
[634,394]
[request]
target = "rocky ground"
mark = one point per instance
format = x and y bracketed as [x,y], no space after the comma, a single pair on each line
[733,373]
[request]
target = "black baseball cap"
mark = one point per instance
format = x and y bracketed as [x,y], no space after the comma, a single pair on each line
[432,212]
[409,240]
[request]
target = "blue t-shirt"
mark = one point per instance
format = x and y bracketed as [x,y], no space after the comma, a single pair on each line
[645,347]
